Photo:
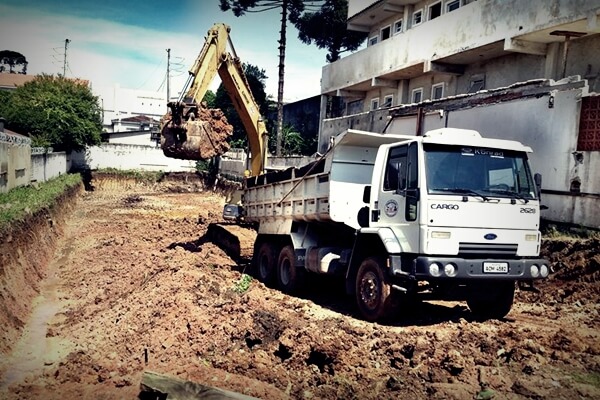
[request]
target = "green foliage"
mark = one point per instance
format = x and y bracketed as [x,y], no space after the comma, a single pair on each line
[10,59]
[5,100]
[327,29]
[243,284]
[567,231]
[240,7]
[293,143]
[24,200]
[591,378]
[209,166]
[61,112]
[209,98]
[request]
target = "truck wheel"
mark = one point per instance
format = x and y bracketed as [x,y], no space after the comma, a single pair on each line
[375,297]
[289,277]
[266,260]
[490,300]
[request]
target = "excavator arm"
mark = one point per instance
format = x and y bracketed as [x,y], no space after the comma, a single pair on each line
[189,131]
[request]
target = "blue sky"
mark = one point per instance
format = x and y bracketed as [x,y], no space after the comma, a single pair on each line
[124,42]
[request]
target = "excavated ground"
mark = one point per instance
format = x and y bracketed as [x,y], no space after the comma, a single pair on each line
[135,285]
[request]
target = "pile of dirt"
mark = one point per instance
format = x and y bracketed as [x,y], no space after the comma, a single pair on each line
[575,267]
[144,289]
[203,136]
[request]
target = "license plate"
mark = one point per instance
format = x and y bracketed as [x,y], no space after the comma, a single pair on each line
[495,267]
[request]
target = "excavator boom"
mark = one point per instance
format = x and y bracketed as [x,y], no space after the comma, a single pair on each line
[190,130]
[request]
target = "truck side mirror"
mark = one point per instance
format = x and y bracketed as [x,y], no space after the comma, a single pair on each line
[537,178]
[367,194]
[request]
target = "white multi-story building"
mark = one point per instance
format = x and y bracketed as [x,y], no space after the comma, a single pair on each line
[429,49]
[512,69]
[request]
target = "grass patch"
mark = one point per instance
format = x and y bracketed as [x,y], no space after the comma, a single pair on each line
[568,231]
[243,284]
[24,200]
[592,378]
[140,176]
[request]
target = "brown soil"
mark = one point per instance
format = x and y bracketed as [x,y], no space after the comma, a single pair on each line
[136,285]
[200,138]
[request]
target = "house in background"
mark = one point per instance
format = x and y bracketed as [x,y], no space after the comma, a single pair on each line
[131,116]
[12,81]
[138,130]
[511,69]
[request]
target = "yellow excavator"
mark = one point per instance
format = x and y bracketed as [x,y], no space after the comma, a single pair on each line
[191,131]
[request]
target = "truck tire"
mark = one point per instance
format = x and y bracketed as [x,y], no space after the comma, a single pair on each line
[490,300]
[375,297]
[289,277]
[266,263]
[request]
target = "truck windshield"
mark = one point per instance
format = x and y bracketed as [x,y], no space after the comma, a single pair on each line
[477,171]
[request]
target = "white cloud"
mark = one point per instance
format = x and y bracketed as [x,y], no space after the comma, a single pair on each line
[108,53]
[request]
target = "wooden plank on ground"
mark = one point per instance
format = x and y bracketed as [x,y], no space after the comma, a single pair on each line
[160,387]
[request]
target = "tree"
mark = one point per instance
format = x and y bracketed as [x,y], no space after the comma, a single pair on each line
[256,81]
[327,28]
[11,59]
[209,98]
[57,112]
[290,9]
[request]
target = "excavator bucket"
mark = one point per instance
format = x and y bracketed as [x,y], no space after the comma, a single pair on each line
[190,132]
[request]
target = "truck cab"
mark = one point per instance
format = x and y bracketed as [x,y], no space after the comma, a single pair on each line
[458,212]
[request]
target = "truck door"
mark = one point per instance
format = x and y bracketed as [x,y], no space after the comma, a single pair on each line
[399,195]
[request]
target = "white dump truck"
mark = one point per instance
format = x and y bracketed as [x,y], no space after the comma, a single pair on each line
[446,215]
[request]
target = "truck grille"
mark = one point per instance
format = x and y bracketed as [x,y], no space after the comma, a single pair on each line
[487,249]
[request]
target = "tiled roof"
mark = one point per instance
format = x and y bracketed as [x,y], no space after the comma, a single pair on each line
[11,81]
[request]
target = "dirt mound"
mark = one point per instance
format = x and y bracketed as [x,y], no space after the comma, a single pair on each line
[575,267]
[143,289]
[203,136]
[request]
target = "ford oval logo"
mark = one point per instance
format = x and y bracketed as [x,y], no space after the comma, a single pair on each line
[490,236]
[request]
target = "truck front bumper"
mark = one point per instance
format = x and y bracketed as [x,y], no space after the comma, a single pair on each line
[426,267]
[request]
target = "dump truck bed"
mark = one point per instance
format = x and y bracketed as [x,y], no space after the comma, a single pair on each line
[329,189]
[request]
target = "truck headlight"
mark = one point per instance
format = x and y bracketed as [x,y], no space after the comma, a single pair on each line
[534,271]
[434,269]
[440,235]
[450,270]
[544,270]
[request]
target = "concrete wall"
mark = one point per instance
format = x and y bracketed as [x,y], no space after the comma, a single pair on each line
[45,166]
[550,131]
[15,165]
[122,156]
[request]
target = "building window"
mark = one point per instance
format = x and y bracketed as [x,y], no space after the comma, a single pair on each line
[417,17]
[589,124]
[437,91]
[385,32]
[417,95]
[452,5]
[388,100]
[375,103]
[435,10]
[477,83]
[373,40]
[398,26]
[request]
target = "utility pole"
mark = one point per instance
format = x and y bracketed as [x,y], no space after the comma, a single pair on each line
[168,74]
[67,41]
